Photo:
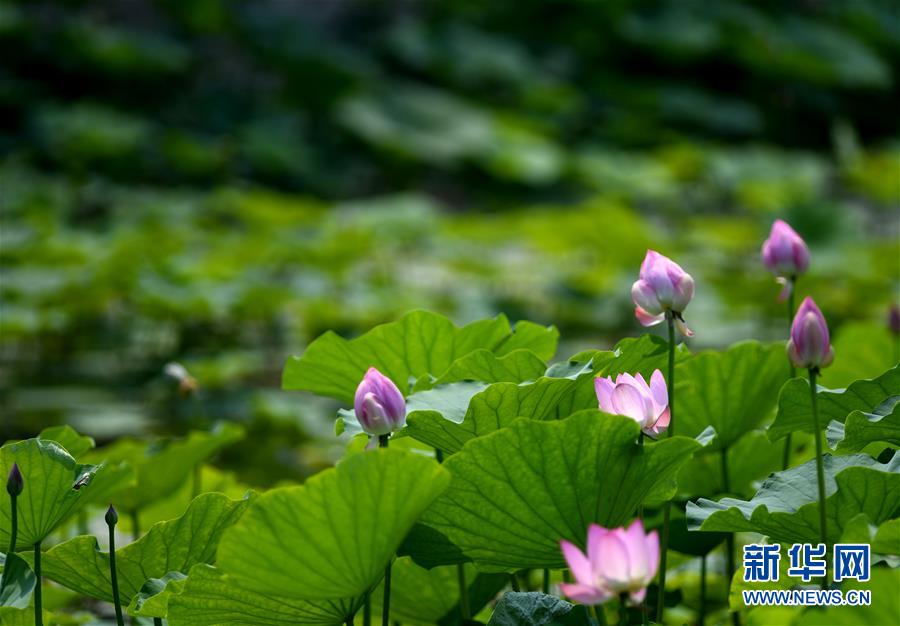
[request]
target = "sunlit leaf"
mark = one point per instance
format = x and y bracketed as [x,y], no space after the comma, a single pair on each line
[17,582]
[795,406]
[786,506]
[516,492]
[860,429]
[333,536]
[536,609]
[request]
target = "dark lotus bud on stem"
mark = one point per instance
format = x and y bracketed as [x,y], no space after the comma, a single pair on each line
[15,483]
[112,518]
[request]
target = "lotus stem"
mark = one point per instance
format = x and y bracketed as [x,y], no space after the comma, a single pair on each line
[38,598]
[820,464]
[702,617]
[514,582]
[623,612]
[367,610]
[157,621]
[14,523]
[464,610]
[600,615]
[545,583]
[386,603]
[664,540]
[729,539]
[112,518]
[135,525]
[786,459]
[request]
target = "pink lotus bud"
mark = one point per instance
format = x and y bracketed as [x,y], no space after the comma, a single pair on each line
[648,405]
[894,319]
[785,254]
[379,405]
[623,560]
[662,286]
[810,346]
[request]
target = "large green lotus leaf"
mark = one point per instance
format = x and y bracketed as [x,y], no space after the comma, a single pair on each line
[212,598]
[417,344]
[567,388]
[489,409]
[56,487]
[733,390]
[153,598]
[535,338]
[333,536]
[516,492]
[430,548]
[795,407]
[423,597]
[786,506]
[66,436]
[860,429]
[172,546]
[485,366]
[17,582]
[861,350]
[162,467]
[887,538]
[750,458]
[537,609]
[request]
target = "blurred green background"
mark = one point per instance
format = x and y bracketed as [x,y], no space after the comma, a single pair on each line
[219,182]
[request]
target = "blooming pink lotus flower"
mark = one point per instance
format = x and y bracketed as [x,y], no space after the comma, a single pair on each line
[810,345]
[380,407]
[785,254]
[648,405]
[618,561]
[663,286]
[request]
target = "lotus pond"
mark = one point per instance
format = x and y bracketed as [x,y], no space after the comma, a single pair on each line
[450,313]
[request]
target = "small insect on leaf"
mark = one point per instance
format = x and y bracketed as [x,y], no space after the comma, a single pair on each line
[81,482]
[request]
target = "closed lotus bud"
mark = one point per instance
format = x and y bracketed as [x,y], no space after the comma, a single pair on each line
[662,286]
[618,561]
[631,396]
[380,407]
[894,319]
[15,483]
[112,517]
[785,254]
[810,344]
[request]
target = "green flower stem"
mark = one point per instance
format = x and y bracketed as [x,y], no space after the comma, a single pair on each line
[463,592]
[135,525]
[514,582]
[729,539]
[386,604]
[664,540]
[702,617]
[623,612]
[545,583]
[348,621]
[599,614]
[786,459]
[820,466]
[157,621]
[114,575]
[367,611]
[38,599]
[14,517]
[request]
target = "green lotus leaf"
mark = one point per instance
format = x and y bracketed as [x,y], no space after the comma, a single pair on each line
[17,582]
[162,467]
[860,429]
[516,492]
[750,458]
[786,506]
[418,344]
[171,546]
[485,366]
[730,390]
[66,436]
[536,609]
[423,597]
[332,537]
[212,598]
[887,538]
[875,396]
[541,340]
[860,351]
[56,487]
[153,598]
[883,584]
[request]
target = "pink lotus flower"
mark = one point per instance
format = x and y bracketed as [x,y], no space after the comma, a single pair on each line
[618,561]
[785,254]
[662,287]
[380,407]
[810,345]
[648,405]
